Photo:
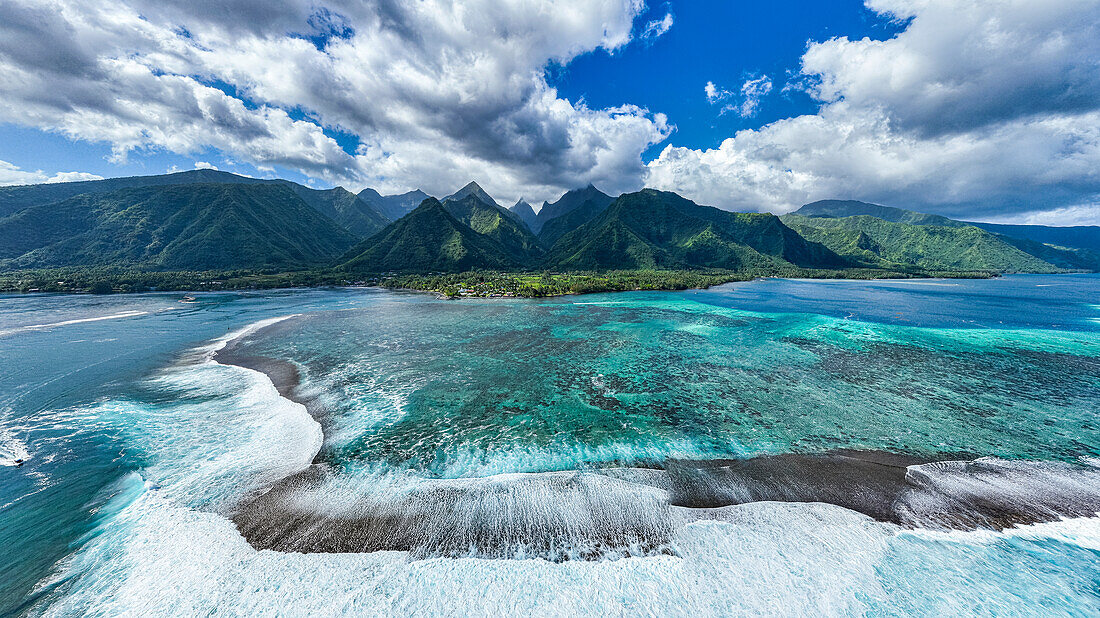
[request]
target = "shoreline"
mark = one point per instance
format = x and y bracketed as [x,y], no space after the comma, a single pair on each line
[909,491]
[522,284]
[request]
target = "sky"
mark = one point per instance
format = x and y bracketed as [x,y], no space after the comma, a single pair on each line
[976,109]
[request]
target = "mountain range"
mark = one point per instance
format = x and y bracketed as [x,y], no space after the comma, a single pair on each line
[211,220]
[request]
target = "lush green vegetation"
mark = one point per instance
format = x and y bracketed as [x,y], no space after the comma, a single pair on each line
[537,284]
[852,208]
[176,227]
[504,284]
[478,283]
[107,279]
[552,230]
[502,226]
[660,230]
[1086,237]
[16,198]
[209,230]
[874,242]
[1074,248]
[429,239]
[345,208]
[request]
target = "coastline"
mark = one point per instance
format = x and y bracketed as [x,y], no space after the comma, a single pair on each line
[521,284]
[634,508]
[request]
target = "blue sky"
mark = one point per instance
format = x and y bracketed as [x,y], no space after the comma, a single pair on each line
[720,42]
[970,108]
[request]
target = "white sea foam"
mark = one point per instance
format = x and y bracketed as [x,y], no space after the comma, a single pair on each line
[1082,532]
[157,558]
[215,432]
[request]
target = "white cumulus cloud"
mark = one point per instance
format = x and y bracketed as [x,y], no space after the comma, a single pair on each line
[747,104]
[657,27]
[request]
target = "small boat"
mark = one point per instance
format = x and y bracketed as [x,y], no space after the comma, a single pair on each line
[188,299]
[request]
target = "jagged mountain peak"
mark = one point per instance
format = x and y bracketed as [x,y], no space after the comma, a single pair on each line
[471,188]
[526,213]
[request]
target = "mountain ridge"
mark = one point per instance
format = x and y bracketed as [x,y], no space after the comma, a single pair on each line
[496,223]
[394,206]
[572,200]
[471,188]
[180,221]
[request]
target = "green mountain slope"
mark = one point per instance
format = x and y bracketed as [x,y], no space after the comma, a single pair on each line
[429,239]
[174,227]
[498,224]
[1072,237]
[1070,247]
[361,219]
[1071,258]
[345,208]
[14,199]
[561,225]
[594,201]
[875,242]
[656,229]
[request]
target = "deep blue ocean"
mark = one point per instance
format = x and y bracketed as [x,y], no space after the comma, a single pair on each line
[131,461]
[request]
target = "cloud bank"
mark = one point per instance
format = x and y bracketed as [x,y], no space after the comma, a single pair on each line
[979,108]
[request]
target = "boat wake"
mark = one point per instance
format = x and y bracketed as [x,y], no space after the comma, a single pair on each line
[115,316]
[13,452]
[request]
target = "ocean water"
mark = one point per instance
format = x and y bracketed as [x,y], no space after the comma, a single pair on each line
[638,453]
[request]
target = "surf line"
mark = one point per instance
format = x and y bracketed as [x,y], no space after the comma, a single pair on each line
[282,375]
